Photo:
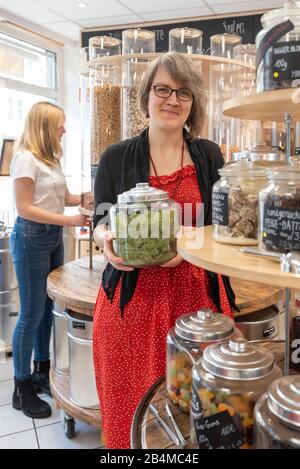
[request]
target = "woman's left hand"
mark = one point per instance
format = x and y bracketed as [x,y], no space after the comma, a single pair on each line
[173,262]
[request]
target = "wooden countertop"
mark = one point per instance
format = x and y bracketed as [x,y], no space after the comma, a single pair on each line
[75,286]
[198,247]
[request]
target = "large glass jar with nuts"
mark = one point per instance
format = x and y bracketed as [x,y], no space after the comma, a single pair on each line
[105,108]
[235,203]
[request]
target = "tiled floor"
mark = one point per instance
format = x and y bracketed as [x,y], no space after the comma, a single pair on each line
[18,431]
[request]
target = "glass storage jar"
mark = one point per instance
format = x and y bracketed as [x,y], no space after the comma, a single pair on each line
[226,383]
[279,210]
[278,48]
[138,41]
[222,86]
[145,223]
[235,204]
[277,415]
[185,40]
[186,341]
[134,41]
[101,46]
[105,82]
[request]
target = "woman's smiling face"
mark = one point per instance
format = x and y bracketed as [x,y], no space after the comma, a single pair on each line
[169,113]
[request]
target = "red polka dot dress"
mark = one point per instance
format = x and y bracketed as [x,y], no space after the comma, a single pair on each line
[130,352]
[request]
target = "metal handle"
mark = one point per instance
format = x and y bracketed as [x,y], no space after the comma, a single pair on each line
[164,425]
[177,430]
[257,252]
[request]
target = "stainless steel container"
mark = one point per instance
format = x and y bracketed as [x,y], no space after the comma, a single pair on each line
[8,280]
[9,294]
[9,312]
[60,339]
[69,240]
[260,325]
[81,369]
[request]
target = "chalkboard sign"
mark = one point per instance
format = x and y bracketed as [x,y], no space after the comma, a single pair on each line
[281,228]
[245,26]
[218,431]
[286,61]
[220,208]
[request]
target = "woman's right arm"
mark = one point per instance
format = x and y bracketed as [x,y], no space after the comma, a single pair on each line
[24,187]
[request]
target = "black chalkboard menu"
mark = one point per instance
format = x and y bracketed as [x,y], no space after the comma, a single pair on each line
[245,26]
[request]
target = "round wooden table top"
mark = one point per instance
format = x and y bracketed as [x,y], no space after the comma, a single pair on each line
[74,286]
[198,247]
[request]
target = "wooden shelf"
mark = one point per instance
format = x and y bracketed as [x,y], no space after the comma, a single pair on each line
[266,106]
[61,395]
[203,61]
[228,260]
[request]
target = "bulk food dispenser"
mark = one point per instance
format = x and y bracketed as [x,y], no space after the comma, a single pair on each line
[222,130]
[135,42]
[105,78]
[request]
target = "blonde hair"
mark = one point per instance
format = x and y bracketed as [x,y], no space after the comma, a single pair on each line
[182,70]
[40,134]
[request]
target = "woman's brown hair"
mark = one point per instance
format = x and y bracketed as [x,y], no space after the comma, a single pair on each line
[184,71]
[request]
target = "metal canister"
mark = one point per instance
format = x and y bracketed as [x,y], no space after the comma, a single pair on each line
[262,324]
[82,379]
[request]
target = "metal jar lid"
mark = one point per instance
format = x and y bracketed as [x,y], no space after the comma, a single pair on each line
[204,326]
[237,360]
[284,399]
[142,192]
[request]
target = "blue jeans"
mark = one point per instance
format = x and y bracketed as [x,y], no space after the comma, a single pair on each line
[36,249]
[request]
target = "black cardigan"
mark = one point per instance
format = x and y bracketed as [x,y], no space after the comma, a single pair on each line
[121,167]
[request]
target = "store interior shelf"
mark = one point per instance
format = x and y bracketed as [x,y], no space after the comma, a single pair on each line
[204,61]
[266,106]
[227,259]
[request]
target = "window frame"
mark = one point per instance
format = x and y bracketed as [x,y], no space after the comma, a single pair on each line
[40,41]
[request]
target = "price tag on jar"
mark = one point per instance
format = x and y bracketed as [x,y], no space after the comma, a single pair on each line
[218,431]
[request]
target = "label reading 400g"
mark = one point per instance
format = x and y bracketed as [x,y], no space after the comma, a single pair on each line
[286,60]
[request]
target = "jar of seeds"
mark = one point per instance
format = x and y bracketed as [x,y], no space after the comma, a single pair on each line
[105,108]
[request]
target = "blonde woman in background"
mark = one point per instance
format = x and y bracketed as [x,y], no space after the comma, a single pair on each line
[36,245]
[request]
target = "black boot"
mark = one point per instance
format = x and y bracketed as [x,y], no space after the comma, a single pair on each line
[40,377]
[26,399]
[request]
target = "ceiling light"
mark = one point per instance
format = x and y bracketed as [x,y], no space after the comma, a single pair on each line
[82,5]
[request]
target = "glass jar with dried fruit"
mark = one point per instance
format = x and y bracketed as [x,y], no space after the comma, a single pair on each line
[186,341]
[226,383]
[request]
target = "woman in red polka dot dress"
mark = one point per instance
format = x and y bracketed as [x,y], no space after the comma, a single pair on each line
[135,308]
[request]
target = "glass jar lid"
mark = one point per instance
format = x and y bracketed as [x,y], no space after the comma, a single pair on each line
[291,173]
[245,169]
[290,10]
[204,326]
[142,192]
[284,399]
[260,152]
[237,360]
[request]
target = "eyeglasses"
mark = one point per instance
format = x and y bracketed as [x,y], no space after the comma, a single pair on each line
[165,92]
